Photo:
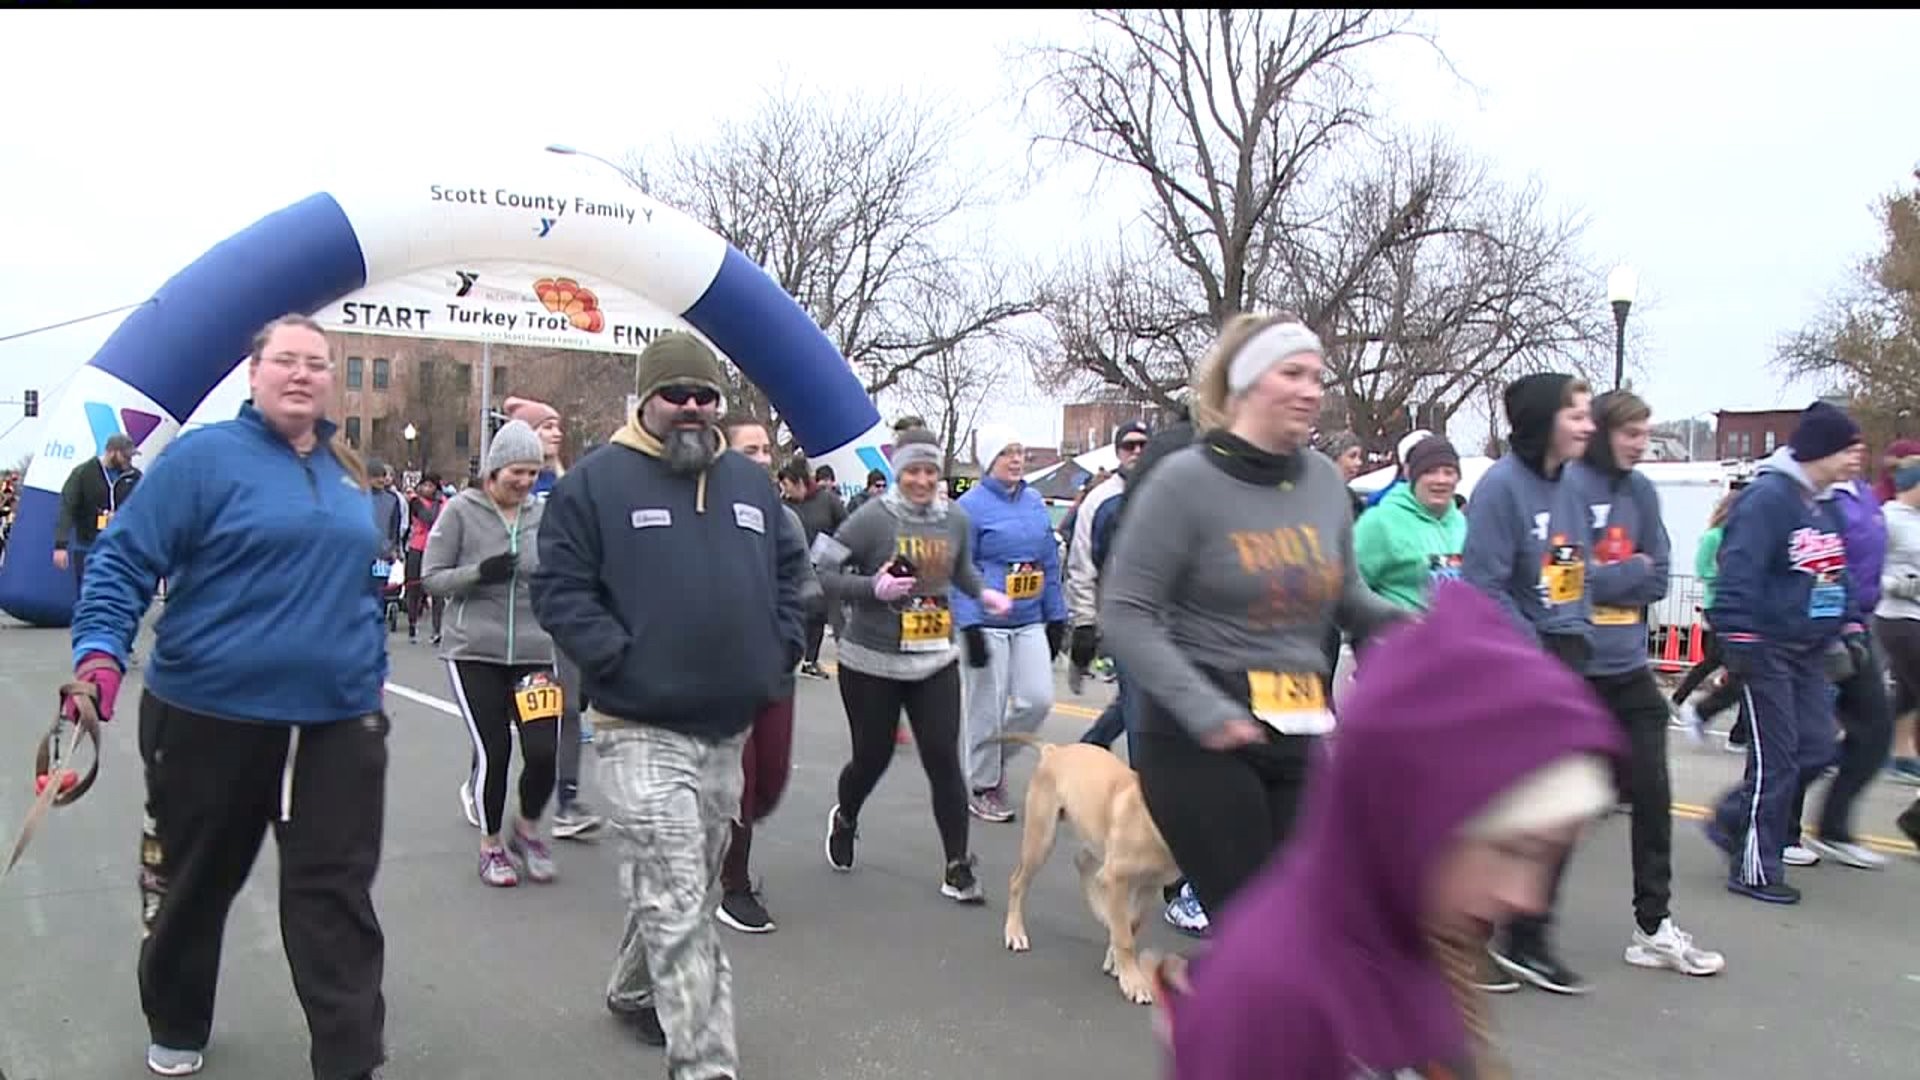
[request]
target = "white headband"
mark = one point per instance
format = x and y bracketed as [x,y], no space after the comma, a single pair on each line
[1267,348]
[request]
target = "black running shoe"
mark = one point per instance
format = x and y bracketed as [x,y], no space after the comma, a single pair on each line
[1541,968]
[744,912]
[1909,823]
[644,1020]
[960,883]
[1774,892]
[840,836]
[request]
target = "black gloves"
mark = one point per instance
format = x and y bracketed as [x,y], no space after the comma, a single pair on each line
[1056,637]
[496,568]
[1086,639]
[976,640]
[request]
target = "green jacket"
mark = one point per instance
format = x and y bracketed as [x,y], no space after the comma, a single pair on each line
[1706,562]
[1401,547]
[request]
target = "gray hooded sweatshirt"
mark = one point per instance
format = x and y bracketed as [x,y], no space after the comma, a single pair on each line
[491,622]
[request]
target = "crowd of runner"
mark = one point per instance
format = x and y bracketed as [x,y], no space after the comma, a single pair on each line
[658,597]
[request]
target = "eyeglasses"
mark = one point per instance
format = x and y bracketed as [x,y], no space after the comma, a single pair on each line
[699,395]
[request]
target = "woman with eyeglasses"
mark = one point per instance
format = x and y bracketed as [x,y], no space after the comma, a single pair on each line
[262,707]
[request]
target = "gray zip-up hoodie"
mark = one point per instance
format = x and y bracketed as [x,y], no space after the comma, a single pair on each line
[491,622]
[934,538]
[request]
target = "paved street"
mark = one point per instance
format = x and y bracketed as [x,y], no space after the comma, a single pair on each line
[871,975]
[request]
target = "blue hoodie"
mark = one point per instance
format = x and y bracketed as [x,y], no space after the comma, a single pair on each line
[1624,511]
[1783,564]
[272,610]
[1010,526]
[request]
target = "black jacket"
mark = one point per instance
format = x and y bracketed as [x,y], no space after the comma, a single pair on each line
[679,617]
[84,498]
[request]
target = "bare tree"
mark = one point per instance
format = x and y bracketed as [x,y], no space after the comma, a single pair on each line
[1479,285]
[856,211]
[1265,187]
[949,390]
[1866,343]
[588,387]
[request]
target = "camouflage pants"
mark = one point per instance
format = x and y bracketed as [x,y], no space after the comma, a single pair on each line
[671,800]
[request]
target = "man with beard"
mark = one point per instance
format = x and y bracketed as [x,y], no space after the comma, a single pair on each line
[670,572]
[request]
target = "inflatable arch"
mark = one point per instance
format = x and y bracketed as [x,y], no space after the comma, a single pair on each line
[171,351]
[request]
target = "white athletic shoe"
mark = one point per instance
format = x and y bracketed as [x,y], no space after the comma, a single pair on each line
[466,803]
[1848,854]
[1799,855]
[1672,947]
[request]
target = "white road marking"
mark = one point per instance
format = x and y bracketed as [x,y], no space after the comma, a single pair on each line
[418,698]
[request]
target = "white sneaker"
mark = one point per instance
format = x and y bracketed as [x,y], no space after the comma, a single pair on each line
[1672,947]
[1799,855]
[1690,722]
[466,803]
[1848,854]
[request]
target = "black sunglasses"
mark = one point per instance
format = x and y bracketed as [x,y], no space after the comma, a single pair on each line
[699,395]
[1134,444]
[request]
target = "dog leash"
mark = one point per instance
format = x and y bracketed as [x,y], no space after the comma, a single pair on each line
[55,781]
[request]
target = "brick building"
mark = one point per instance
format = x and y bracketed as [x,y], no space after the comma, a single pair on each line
[385,383]
[1089,425]
[1748,435]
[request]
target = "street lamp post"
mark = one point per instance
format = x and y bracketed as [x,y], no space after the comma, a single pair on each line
[409,433]
[1622,283]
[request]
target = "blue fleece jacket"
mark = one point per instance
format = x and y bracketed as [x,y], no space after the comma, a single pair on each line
[1783,564]
[1010,527]
[1624,511]
[273,613]
[1526,548]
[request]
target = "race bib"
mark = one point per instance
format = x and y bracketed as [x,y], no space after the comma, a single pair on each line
[537,697]
[100,521]
[926,625]
[1024,580]
[1290,703]
[1564,577]
[1827,602]
[1615,616]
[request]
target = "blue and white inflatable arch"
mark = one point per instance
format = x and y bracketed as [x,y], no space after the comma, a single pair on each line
[171,352]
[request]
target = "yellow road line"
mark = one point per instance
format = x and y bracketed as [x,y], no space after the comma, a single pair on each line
[1690,811]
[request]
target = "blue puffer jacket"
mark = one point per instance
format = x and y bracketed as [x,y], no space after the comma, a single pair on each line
[1010,526]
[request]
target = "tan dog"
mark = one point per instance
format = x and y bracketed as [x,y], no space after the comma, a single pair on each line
[1124,861]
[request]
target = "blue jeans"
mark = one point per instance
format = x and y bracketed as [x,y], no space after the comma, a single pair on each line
[1118,717]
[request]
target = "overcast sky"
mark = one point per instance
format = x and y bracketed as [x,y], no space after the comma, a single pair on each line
[1734,160]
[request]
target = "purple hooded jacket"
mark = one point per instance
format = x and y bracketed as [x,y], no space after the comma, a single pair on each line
[1321,969]
[1864,530]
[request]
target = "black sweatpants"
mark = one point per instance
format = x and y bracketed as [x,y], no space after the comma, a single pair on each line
[484,692]
[932,706]
[213,786]
[1635,701]
[1866,719]
[1223,813]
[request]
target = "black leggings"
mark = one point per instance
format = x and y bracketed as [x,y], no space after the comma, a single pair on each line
[932,705]
[417,599]
[1709,663]
[1223,813]
[1900,639]
[484,693]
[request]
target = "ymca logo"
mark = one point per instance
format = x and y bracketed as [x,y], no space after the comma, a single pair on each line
[1817,552]
[467,278]
[105,422]
[546,226]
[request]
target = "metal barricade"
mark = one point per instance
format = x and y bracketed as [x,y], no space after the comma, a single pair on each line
[1676,625]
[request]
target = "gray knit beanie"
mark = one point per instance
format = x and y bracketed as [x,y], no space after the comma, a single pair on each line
[514,444]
